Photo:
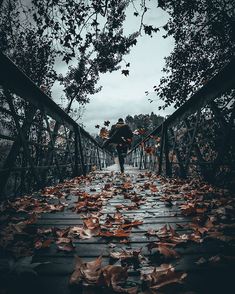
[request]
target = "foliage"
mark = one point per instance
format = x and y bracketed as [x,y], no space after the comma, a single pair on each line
[33,33]
[90,32]
[143,124]
[206,215]
[19,40]
[204,37]
[146,121]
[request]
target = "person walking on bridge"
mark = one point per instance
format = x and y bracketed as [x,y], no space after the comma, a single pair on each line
[120,135]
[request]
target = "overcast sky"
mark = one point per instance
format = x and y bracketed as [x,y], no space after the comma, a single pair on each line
[123,95]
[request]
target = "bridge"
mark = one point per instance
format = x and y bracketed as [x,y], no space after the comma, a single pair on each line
[70,222]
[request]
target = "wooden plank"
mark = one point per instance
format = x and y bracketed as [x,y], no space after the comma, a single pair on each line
[96,249]
[155,215]
[69,222]
[146,217]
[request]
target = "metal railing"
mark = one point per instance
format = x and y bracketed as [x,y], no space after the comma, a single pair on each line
[198,138]
[40,144]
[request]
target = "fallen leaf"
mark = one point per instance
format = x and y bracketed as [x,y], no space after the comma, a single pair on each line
[43,244]
[63,240]
[131,224]
[88,272]
[153,188]
[167,252]
[162,276]
[127,186]
[151,232]
[126,254]
[112,276]
[66,247]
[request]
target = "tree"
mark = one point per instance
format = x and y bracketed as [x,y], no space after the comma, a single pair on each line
[204,34]
[148,122]
[143,124]
[19,40]
[90,32]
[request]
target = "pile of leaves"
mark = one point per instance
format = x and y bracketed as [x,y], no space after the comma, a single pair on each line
[209,212]
[113,277]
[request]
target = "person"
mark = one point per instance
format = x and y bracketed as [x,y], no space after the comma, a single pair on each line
[121,135]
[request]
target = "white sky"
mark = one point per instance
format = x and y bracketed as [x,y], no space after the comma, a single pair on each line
[123,95]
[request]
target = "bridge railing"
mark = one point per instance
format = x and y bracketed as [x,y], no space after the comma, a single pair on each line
[198,138]
[40,144]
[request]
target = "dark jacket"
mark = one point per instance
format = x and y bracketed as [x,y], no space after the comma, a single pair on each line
[120,134]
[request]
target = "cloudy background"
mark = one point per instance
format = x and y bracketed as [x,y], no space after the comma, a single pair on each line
[121,95]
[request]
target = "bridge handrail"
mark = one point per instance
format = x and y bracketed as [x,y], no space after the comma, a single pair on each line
[182,145]
[86,152]
[211,90]
[23,86]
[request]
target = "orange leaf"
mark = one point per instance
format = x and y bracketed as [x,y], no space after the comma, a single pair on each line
[131,224]
[167,252]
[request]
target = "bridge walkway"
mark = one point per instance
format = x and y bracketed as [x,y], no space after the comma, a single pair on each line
[138,221]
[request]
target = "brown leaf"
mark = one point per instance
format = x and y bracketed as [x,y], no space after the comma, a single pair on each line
[63,240]
[163,232]
[161,276]
[43,244]
[152,245]
[107,186]
[76,276]
[116,218]
[188,209]
[167,252]
[151,232]
[61,232]
[201,210]
[131,224]
[153,188]
[127,186]
[66,247]
[112,276]
[172,231]
[74,231]
[104,133]
[126,254]
[88,272]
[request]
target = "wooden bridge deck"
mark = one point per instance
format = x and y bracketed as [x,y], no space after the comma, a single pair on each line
[146,209]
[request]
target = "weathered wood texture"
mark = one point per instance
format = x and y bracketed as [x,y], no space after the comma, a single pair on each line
[53,277]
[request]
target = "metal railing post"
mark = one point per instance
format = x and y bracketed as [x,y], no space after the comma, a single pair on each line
[81,151]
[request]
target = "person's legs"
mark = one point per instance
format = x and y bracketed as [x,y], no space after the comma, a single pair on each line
[121,150]
[120,159]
